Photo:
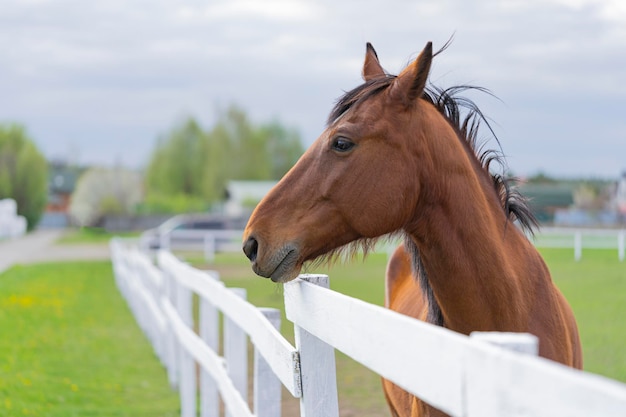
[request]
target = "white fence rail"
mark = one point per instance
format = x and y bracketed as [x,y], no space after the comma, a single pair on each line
[460,375]
[579,239]
[210,242]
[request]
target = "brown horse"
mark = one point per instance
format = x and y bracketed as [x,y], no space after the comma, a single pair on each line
[398,157]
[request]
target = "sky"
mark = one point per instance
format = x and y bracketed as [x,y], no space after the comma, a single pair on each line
[99,82]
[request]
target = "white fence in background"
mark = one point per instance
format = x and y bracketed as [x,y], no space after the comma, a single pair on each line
[579,239]
[210,242]
[11,224]
[463,376]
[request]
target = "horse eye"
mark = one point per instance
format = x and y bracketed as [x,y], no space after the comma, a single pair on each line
[342,144]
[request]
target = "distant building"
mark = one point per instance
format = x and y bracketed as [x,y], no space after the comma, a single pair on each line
[243,196]
[600,204]
[546,199]
[620,195]
[62,180]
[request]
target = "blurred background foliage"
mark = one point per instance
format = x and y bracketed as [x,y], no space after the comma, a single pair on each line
[187,171]
[190,166]
[23,173]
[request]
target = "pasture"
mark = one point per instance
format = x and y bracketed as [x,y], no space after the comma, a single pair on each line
[70,346]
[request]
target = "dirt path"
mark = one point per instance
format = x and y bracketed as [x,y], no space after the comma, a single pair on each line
[39,246]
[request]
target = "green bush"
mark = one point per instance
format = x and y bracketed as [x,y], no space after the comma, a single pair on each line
[171,204]
[23,173]
[191,165]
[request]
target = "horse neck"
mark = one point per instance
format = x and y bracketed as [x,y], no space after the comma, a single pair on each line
[473,257]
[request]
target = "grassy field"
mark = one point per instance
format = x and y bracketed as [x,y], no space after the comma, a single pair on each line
[69,346]
[91,235]
[596,289]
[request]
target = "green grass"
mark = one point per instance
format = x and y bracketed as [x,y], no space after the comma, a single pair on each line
[91,235]
[596,289]
[70,347]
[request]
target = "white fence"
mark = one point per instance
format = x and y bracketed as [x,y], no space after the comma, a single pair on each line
[11,224]
[210,242]
[463,376]
[579,239]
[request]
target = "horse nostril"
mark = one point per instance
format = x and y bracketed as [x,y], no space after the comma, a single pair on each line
[250,248]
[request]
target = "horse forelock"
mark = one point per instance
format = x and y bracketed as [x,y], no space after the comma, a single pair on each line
[358,95]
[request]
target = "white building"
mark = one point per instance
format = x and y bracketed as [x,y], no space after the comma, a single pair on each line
[620,195]
[11,224]
[243,196]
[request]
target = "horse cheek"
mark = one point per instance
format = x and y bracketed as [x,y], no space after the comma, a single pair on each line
[380,205]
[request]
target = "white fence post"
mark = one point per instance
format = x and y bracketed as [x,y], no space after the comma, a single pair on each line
[209,332]
[210,247]
[516,342]
[479,401]
[578,245]
[188,388]
[169,292]
[236,351]
[621,237]
[317,366]
[164,241]
[267,387]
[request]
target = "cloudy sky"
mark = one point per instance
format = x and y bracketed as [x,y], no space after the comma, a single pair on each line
[98,81]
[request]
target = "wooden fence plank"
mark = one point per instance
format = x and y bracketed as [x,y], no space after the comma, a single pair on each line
[188,380]
[267,387]
[209,332]
[210,361]
[236,351]
[502,383]
[317,366]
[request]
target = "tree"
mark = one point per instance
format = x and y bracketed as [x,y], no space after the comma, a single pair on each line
[23,173]
[283,147]
[174,176]
[176,160]
[102,191]
[193,166]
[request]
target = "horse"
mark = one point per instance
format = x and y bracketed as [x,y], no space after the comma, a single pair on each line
[401,157]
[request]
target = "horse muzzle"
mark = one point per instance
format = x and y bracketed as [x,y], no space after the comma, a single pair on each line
[279,265]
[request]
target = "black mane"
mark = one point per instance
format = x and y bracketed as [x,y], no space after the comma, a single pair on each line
[463,114]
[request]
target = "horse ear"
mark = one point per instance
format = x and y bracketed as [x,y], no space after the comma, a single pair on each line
[371,66]
[410,84]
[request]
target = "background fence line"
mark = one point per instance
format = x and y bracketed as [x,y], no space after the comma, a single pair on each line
[463,376]
[580,238]
[210,242]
